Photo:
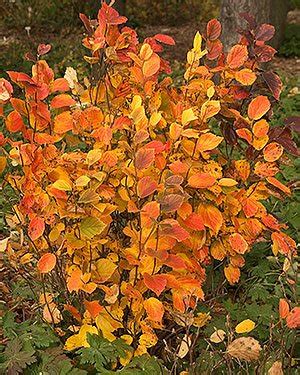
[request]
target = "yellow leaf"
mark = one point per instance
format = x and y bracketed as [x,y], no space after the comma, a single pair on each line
[227,182]
[146,52]
[80,339]
[188,116]
[62,185]
[197,42]
[82,181]
[246,325]
[105,268]
[210,109]
[93,156]
[155,118]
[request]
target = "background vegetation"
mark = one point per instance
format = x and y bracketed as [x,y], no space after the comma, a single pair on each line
[28,343]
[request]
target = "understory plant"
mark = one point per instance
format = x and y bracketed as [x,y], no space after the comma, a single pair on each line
[131,189]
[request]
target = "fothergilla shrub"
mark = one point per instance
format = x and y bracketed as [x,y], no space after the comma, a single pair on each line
[129,187]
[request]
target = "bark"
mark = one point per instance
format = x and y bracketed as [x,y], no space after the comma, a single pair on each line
[265,11]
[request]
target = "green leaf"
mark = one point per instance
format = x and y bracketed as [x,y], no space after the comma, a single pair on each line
[16,357]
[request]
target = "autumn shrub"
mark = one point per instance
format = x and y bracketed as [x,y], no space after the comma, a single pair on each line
[130,188]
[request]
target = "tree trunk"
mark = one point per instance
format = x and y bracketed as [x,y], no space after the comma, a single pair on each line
[264,11]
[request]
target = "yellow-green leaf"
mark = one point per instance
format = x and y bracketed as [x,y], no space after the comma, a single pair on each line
[91,226]
[62,185]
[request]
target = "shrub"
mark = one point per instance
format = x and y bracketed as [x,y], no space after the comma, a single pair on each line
[130,187]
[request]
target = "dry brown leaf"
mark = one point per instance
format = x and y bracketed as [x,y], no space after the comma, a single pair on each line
[276,369]
[244,348]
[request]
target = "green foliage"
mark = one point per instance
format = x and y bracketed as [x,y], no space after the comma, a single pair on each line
[290,47]
[102,353]
[17,356]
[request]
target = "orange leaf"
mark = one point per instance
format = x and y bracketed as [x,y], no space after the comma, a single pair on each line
[2,163]
[272,152]
[156,283]
[273,181]
[232,274]
[154,309]
[245,76]
[74,282]
[144,158]
[201,180]
[62,100]
[75,313]
[284,308]
[211,216]
[282,243]
[46,263]
[243,169]
[208,141]
[36,228]
[237,56]
[151,66]
[260,128]
[218,250]
[60,84]
[14,122]
[146,186]
[93,307]
[293,319]
[238,243]
[258,107]
[194,221]
[63,122]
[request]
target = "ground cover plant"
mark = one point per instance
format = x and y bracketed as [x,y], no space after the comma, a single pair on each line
[137,205]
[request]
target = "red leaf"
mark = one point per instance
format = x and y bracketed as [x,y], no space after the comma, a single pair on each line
[36,228]
[166,39]
[156,283]
[273,82]
[46,263]
[171,202]
[171,228]
[144,158]
[146,186]
[43,49]
[213,29]
[265,32]
[86,22]
[264,53]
